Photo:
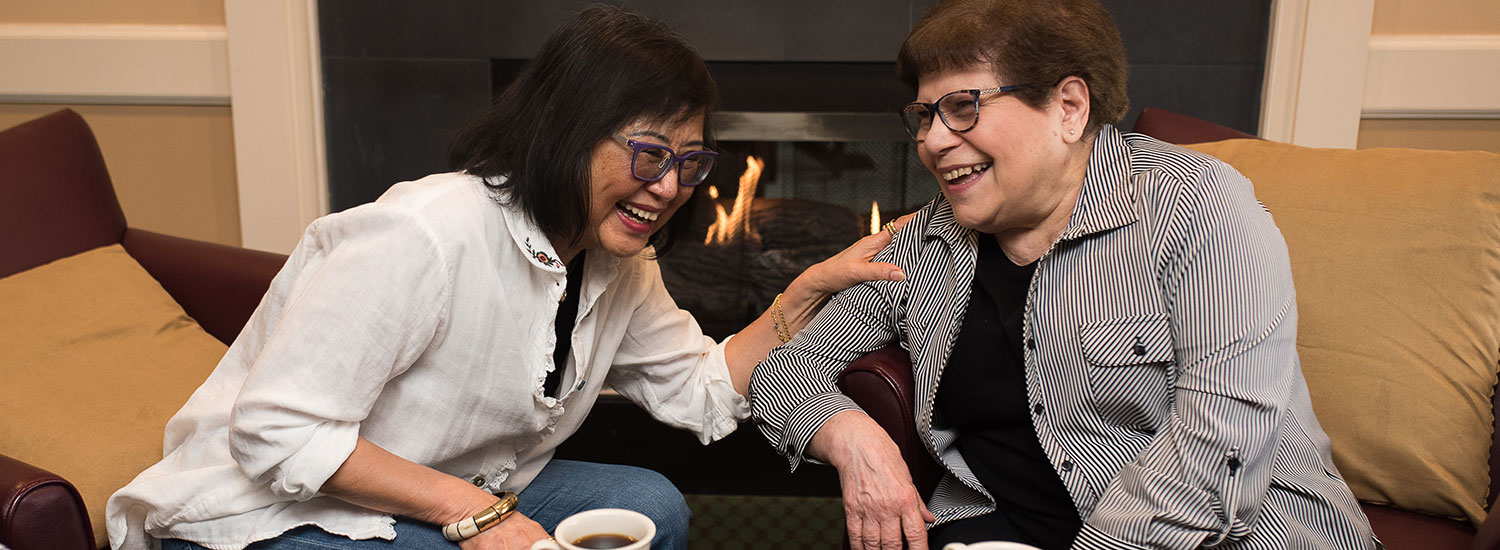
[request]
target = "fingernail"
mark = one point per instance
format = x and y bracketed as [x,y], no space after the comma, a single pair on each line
[898,276]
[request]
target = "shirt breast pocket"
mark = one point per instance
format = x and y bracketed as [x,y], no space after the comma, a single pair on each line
[1129,359]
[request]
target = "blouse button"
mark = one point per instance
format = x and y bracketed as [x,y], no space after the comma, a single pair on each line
[1037,408]
[1031,343]
[1067,465]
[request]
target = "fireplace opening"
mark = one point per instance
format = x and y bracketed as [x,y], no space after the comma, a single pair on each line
[773,207]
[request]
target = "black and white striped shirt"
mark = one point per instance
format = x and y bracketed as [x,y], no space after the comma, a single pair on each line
[1161,355]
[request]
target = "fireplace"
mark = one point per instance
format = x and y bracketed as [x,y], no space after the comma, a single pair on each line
[790,190]
[808,89]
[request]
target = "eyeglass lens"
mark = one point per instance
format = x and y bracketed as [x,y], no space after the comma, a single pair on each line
[959,111]
[652,164]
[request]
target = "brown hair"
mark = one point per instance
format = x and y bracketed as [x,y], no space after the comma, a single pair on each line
[1037,42]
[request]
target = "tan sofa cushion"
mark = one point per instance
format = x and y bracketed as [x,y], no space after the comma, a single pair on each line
[97,358]
[1396,258]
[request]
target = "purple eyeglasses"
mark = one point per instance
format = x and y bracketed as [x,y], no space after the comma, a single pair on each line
[650,162]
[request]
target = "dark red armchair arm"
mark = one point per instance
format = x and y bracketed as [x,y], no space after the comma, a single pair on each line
[881,383]
[40,511]
[217,285]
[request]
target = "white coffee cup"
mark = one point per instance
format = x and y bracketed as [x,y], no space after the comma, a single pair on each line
[989,545]
[603,521]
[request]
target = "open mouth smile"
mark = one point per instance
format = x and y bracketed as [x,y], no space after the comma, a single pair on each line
[956,173]
[636,214]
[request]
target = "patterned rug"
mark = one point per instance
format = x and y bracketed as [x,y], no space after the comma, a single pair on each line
[735,522]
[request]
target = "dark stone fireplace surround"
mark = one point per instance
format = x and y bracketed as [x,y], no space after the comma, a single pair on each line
[399,75]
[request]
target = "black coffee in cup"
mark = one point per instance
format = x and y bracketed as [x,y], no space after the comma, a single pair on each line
[604,541]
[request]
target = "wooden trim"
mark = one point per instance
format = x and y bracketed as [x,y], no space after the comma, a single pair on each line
[1438,76]
[1315,72]
[1278,111]
[114,64]
[278,119]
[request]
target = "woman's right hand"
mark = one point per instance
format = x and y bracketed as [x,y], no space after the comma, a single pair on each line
[516,532]
[881,504]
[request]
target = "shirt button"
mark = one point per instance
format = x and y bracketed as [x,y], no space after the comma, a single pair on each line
[479,481]
[1067,465]
[1031,343]
[1037,408]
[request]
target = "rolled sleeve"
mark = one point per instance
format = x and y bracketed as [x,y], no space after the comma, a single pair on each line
[794,391]
[1091,538]
[362,298]
[804,423]
[327,445]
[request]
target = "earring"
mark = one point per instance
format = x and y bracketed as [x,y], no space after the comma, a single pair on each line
[1071,132]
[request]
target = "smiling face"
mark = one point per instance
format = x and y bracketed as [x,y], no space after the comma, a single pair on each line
[625,211]
[1006,173]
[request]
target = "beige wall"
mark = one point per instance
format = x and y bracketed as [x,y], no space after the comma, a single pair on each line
[1440,17]
[1452,135]
[172,166]
[117,12]
[1436,17]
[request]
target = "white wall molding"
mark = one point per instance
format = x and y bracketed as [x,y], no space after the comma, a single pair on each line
[1315,72]
[114,64]
[276,85]
[1278,111]
[1433,76]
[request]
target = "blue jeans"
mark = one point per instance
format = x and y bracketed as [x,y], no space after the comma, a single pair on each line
[563,488]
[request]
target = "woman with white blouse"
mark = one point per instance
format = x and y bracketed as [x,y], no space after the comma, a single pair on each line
[411,370]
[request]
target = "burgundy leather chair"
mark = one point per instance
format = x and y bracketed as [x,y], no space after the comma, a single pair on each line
[56,200]
[881,383]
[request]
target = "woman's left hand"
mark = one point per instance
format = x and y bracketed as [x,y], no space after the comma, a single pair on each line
[806,295]
[852,266]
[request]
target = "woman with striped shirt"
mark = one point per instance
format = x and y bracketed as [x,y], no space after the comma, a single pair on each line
[1102,326]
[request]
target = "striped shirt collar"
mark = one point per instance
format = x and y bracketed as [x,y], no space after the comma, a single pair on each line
[1108,198]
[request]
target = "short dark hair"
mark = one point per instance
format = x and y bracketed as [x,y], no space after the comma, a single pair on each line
[602,68]
[1026,42]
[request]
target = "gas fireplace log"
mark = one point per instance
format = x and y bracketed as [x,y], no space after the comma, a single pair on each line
[727,285]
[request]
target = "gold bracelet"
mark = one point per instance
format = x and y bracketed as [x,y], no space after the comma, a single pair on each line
[478,523]
[783,331]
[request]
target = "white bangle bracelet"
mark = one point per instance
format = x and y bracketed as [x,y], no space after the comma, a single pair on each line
[478,523]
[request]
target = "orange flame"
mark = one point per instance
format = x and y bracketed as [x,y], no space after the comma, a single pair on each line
[874,217]
[736,223]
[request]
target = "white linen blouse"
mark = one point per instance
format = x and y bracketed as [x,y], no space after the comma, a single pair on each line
[423,322]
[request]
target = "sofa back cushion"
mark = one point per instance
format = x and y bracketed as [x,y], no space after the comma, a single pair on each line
[1396,258]
[56,198]
[97,358]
